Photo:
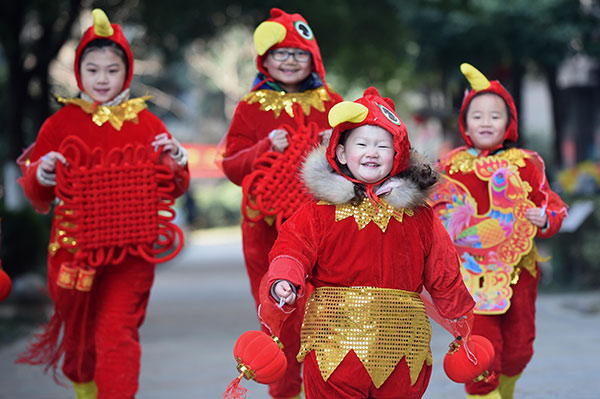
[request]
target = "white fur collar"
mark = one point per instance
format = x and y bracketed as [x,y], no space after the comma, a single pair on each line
[325,184]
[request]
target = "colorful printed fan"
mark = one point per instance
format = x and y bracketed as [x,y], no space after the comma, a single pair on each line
[489,244]
[112,205]
[274,191]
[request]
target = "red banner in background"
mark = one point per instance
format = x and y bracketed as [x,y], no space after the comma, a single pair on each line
[201,161]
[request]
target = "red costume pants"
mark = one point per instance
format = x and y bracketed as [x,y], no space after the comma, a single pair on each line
[350,380]
[511,333]
[106,348]
[258,238]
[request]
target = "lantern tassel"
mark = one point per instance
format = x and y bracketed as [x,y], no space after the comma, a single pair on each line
[235,391]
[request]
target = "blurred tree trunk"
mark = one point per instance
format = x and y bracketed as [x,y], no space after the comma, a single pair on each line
[32,34]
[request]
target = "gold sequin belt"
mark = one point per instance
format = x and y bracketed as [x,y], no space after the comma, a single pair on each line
[380,325]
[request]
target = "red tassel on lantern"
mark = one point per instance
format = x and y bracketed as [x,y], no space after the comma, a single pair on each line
[259,357]
[5,284]
[471,363]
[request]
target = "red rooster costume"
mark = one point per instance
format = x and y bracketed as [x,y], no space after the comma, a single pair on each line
[365,331]
[481,202]
[249,157]
[98,310]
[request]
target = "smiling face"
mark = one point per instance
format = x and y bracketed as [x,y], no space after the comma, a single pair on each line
[486,121]
[289,74]
[368,152]
[103,74]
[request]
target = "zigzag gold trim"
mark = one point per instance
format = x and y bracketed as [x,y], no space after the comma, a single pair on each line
[116,115]
[464,161]
[277,101]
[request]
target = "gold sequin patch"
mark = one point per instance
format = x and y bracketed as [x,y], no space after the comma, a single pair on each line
[380,325]
[276,101]
[528,263]
[62,239]
[464,161]
[366,212]
[117,115]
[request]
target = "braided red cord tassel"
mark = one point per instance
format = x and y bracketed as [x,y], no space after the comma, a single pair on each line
[235,391]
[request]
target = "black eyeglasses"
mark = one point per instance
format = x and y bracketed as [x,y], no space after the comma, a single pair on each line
[282,55]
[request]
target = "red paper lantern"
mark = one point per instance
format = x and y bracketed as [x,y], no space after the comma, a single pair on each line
[259,357]
[463,367]
[5,284]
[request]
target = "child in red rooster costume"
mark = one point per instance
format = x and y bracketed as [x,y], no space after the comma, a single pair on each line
[99,340]
[369,244]
[494,199]
[274,126]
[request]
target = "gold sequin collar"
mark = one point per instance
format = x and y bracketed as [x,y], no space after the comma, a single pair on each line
[366,212]
[464,161]
[276,101]
[116,115]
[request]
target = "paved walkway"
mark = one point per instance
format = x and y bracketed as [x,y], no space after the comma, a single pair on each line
[201,303]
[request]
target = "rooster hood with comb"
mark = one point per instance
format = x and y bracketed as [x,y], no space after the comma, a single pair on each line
[480,85]
[286,30]
[103,29]
[322,174]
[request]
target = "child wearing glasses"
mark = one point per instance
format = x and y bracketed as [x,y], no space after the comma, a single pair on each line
[289,93]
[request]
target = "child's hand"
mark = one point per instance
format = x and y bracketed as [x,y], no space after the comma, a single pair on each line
[537,216]
[284,291]
[46,172]
[172,146]
[279,140]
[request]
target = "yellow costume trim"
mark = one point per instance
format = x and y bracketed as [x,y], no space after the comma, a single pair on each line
[268,34]
[476,79]
[464,161]
[380,325]
[366,212]
[528,263]
[117,115]
[495,394]
[347,111]
[102,25]
[277,101]
[507,385]
[62,237]
[85,390]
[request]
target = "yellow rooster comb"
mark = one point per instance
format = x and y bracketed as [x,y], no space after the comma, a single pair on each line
[101,23]
[477,80]
[267,34]
[347,111]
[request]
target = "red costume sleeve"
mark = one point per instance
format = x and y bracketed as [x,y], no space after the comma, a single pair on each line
[242,146]
[295,252]
[542,195]
[41,197]
[181,174]
[442,277]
